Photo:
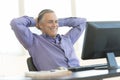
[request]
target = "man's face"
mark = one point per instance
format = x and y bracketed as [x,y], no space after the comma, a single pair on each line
[49,24]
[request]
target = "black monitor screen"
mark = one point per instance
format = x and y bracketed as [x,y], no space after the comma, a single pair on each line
[101,37]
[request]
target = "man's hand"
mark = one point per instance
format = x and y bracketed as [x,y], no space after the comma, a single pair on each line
[36,20]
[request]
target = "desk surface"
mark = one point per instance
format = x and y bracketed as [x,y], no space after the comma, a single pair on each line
[80,75]
[92,75]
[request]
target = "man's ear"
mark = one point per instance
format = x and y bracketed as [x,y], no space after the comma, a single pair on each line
[38,25]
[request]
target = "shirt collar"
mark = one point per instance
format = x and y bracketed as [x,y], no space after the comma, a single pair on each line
[51,39]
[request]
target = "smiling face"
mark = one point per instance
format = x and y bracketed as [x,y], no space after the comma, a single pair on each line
[49,24]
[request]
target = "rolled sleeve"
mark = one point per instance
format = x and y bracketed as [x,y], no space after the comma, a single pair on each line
[20,27]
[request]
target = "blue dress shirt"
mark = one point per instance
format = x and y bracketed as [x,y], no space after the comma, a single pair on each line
[47,52]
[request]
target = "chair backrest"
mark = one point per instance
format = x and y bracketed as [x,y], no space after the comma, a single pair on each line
[30,64]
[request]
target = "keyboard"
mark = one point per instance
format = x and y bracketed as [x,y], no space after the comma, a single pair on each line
[90,67]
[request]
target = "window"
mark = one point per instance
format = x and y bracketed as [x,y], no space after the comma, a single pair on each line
[8,42]
[97,10]
[61,7]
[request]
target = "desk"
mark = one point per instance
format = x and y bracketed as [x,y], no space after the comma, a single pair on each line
[82,75]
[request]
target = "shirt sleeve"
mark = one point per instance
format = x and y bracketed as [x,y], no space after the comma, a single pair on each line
[21,30]
[78,25]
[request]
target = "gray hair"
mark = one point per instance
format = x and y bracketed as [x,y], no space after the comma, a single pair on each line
[41,14]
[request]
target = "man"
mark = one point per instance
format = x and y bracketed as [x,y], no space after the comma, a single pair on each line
[49,50]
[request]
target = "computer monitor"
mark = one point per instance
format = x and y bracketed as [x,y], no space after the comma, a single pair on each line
[102,40]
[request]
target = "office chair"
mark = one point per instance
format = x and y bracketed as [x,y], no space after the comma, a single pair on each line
[30,64]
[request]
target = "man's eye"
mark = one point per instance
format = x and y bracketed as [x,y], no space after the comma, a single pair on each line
[56,21]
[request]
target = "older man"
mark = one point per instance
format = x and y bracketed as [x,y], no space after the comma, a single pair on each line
[49,50]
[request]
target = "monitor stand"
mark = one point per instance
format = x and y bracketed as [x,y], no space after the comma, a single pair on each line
[111,61]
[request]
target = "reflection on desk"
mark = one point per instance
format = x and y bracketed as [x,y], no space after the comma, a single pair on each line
[92,75]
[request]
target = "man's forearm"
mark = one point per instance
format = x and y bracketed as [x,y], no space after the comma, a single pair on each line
[22,32]
[71,21]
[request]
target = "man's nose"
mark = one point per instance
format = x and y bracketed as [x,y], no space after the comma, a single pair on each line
[55,24]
